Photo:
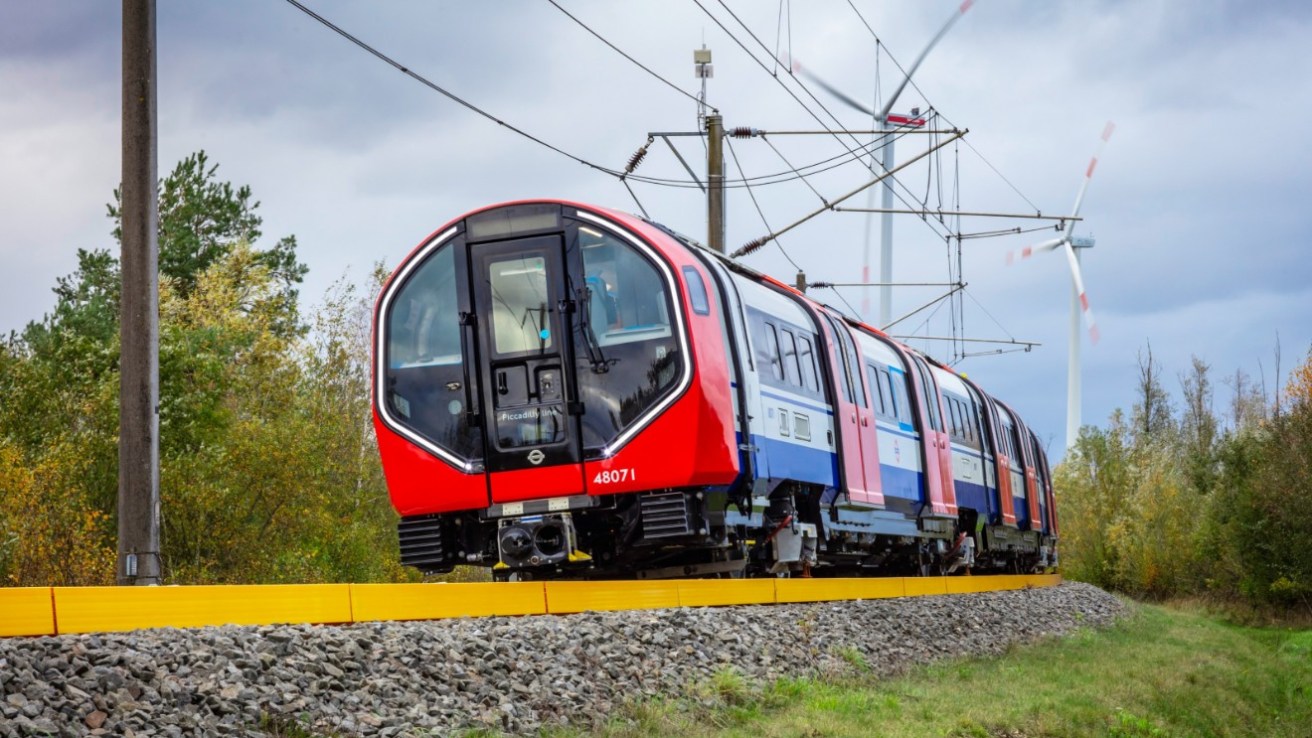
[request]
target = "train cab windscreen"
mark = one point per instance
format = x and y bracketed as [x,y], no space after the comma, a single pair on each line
[554,341]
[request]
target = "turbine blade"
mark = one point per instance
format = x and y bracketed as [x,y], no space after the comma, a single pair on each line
[1088,173]
[1029,251]
[1078,279]
[888,106]
[797,68]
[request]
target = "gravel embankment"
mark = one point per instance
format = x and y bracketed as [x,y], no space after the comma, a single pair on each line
[513,674]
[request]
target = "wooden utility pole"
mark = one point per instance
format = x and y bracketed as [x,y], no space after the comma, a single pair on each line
[138,417]
[715,181]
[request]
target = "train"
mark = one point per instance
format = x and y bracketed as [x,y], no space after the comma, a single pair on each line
[561,390]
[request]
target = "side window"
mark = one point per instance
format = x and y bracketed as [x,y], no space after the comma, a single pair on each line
[929,396]
[902,397]
[851,364]
[772,352]
[696,291]
[806,358]
[876,391]
[789,356]
[886,389]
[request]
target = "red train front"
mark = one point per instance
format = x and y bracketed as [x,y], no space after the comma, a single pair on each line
[534,360]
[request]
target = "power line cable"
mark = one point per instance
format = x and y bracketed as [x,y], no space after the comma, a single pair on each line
[443,91]
[767,141]
[622,53]
[759,211]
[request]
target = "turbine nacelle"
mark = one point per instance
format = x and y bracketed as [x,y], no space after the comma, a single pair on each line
[1068,243]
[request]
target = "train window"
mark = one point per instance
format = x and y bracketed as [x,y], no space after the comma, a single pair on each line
[772,352]
[894,409]
[626,351]
[520,317]
[789,356]
[696,291]
[929,397]
[851,365]
[627,300]
[806,359]
[425,358]
[971,421]
[901,395]
[882,403]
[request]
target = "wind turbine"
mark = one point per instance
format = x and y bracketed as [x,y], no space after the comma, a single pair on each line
[1080,303]
[887,122]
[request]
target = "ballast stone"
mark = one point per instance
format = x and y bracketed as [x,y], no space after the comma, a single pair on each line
[511,674]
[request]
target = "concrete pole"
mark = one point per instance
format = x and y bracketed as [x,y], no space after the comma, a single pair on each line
[715,182]
[138,446]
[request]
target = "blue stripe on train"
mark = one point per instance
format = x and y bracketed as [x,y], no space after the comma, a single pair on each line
[975,497]
[899,482]
[778,459]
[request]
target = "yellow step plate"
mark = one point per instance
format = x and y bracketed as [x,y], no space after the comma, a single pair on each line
[456,600]
[26,611]
[100,609]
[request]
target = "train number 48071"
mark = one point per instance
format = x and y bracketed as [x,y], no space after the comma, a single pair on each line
[615,476]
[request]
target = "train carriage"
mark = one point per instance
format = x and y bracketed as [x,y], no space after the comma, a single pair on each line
[568,391]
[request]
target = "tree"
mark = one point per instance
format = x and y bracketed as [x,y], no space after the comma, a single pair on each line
[1152,412]
[1198,426]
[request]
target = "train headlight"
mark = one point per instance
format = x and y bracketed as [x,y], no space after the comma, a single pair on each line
[516,544]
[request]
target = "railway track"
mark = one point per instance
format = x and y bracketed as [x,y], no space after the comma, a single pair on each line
[39,611]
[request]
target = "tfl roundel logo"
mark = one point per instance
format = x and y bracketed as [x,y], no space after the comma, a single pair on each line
[536,456]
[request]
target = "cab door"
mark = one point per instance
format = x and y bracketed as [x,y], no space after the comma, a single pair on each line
[525,364]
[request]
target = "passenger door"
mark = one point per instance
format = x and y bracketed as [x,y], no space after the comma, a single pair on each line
[853,418]
[938,465]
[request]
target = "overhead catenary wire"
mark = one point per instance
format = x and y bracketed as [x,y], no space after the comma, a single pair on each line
[442,90]
[758,243]
[624,54]
[786,89]
[728,140]
[789,164]
[426,82]
[781,177]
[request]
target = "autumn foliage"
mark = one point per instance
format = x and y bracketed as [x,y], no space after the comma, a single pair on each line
[268,471]
[1182,502]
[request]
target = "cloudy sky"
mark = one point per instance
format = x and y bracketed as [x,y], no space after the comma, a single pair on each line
[1199,205]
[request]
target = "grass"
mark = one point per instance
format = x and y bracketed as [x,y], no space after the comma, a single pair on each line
[1161,673]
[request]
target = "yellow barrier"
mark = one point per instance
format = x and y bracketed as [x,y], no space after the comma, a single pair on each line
[569,597]
[435,601]
[714,593]
[94,609]
[817,590]
[27,611]
[48,611]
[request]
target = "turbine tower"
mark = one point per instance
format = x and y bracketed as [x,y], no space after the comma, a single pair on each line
[1080,301]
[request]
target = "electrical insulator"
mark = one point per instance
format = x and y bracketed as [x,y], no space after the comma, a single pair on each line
[637,157]
[749,247]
